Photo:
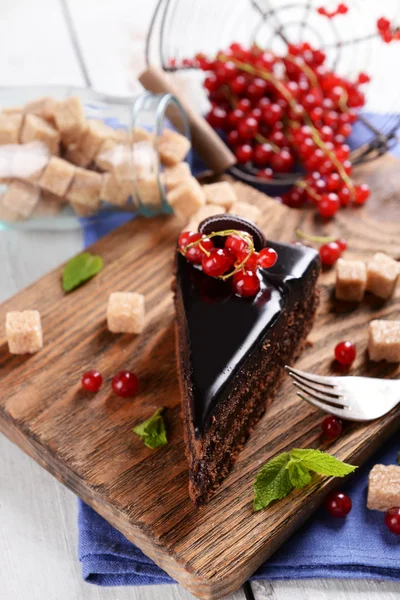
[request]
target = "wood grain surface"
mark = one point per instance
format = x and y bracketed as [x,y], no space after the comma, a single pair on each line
[87,441]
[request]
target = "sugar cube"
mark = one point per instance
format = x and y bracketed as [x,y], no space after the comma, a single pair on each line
[49,205]
[96,133]
[6,214]
[85,188]
[221,193]
[70,119]
[351,279]
[175,175]
[172,147]
[116,191]
[83,210]
[382,275]
[37,129]
[116,157]
[209,210]
[384,341]
[29,160]
[125,312]
[247,211]
[383,487]
[24,332]
[12,110]
[75,156]
[148,192]
[141,135]
[10,127]
[57,176]
[42,107]
[21,198]
[144,161]
[186,198]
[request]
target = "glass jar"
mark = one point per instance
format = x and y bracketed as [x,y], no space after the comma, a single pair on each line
[70,154]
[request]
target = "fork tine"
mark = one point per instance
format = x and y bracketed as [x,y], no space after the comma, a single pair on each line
[335,401]
[332,410]
[330,391]
[310,377]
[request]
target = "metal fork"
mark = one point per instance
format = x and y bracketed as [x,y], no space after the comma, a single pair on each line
[351,398]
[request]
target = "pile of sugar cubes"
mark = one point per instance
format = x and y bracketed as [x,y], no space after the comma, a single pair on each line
[125,314]
[378,276]
[51,155]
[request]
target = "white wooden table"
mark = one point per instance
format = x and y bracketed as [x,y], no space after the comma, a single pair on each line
[38,531]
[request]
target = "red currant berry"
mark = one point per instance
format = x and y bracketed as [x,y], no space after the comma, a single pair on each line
[211,83]
[125,384]
[333,182]
[267,258]
[217,117]
[251,263]
[195,253]
[262,154]
[238,84]
[247,128]
[344,196]
[265,174]
[329,253]
[328,205]
[236,244]
[233,137]
[91,381]
[272,114]
[362,193]
[332,427]
[234,117]
[246,284]
[338,504]
[342,243]
[243,153]
[392,520]
[383,24]
[184,239]
[244,104]
[282,161]
[256,88]
[217,263]
[345,353]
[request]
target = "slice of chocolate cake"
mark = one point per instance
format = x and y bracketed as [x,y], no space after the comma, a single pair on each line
[232,350]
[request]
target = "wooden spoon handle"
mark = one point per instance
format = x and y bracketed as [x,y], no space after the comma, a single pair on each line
[208,145]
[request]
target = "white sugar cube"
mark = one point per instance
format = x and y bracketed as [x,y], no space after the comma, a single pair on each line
[57,176]
[383,487]
[186,198]
[29,160]
[221,193]
[351,279]
[24,332]
[125,312]
[382,275]
[172,147]
[384,341]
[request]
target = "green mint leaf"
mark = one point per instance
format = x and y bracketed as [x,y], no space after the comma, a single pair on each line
[79,269]
[299,476]
[321,463]
[272,481]
[153,431]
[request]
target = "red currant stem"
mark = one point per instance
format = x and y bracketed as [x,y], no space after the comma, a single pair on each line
[230,96]
[204,250]
[343,101]
[332,156]
[263,140]
[315,238]
[301,183]
[308,72]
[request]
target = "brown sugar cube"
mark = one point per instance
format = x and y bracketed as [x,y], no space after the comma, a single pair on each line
[116,191]
[384,341]
[70,119]
[187,198]
[247,211]
[24,332]
[75,156]
[144,161]
[10,128]
[82,210]
[172,147]
[42,107]
[49,205]
[37,129]
[175,175]
[91,140]
[141,135]
[21,198]
[114,156]
[383,487]
[13,110]
[382,275]
[57,176]
[6,214]
[221,193]
[85,188]
[125,312]
[148,192]
[29,160]
[121,135]
[209,210]
[351,279]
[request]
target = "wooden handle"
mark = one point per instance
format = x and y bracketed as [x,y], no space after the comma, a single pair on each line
[208,145]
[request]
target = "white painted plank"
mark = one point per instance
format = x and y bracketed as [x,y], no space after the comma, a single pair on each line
[35,46]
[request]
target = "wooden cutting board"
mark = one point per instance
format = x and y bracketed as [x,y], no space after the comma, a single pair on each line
[86,441]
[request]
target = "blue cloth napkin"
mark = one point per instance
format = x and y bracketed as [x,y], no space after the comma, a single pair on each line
[358,547]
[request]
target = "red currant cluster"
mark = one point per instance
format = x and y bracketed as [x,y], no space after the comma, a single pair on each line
[280,111]
[341,9]
[124,383]
[387,31]
[238,258]
[330,250]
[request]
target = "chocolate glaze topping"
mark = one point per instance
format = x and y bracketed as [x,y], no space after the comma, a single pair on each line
[223,330]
